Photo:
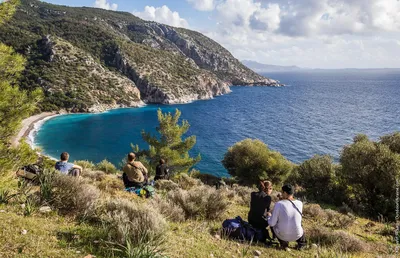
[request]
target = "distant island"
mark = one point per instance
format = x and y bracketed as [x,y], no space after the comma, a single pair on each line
[264,68]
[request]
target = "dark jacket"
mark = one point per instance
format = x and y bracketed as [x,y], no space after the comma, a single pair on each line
[260,204]
[161,172]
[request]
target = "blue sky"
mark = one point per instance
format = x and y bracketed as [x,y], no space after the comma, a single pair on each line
[307,33]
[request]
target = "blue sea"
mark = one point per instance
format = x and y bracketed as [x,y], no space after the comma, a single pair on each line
[318,112]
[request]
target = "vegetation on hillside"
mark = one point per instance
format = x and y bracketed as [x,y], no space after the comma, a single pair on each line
[169,145]
[94,214]
[116,51]
[14,103]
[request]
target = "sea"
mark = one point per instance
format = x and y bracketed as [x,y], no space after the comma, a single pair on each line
[317,112]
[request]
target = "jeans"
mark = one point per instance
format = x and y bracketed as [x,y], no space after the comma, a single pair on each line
[301,242]
[74,172]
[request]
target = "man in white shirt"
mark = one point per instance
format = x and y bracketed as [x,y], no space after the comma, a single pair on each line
[285,220]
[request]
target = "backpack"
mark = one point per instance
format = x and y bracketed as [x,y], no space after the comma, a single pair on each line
[150,191]
[29,172]
[237,228]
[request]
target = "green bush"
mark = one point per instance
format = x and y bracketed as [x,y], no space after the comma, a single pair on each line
[252,160]
[85,164]
[106,167]
[317,176]
[369,170]
[392,141]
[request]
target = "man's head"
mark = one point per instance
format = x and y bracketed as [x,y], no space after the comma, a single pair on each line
[64,156]
[287,191]
[162,161]
[131,157]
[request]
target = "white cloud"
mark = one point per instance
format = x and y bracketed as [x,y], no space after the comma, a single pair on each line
[162,15]
[105,5]
[311,33]
[202,5]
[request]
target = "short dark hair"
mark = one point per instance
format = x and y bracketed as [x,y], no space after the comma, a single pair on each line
[288,189]
[64,156]
[162,161]
[131,156]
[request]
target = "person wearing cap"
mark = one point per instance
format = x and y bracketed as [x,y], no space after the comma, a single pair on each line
[285,220]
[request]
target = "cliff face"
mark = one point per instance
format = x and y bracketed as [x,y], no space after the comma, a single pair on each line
[87,58]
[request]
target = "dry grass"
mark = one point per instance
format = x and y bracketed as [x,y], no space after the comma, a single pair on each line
[328,217]
[72,195]
[132,221]
[200,202]
[111,185]
[166,185]
[186,182]
[93,176]
[170,210]
[339,239]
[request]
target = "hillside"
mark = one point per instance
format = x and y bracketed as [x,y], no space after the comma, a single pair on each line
[88,59]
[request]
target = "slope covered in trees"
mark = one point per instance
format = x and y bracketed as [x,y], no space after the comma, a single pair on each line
[121,54]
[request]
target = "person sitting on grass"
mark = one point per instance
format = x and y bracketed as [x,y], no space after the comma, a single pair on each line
[259,206]
[68,168]
[162,171]
[285,220]
[135,174]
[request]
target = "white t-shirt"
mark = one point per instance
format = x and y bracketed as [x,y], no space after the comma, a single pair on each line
[286,220]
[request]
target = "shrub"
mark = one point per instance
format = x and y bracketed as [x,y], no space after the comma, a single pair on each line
[85,164]
[244,193]
[166,185]
[72,195]
[130,221]
[94,175]
[338,220]
[200,202]
[252,160]
[106,167]
[167,208]
[392,141]
[338,239]
[314,211]
[317,176]
[111,185]
[186,182]
[370,169]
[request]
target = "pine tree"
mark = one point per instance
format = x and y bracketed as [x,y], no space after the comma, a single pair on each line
[15,105]
[169,145]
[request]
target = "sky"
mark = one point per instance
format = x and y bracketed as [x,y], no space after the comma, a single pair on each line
[306,33]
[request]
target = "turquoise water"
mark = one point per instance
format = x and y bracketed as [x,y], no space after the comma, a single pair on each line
[317,113]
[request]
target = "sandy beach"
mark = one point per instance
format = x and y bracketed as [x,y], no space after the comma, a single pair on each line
[28,125]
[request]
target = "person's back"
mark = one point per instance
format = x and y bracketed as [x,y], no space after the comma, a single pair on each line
[67,168]
[259,204]
[64,167]
[288,226]
[134,172]
[161,171]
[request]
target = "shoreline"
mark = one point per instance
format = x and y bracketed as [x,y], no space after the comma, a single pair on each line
[30,125]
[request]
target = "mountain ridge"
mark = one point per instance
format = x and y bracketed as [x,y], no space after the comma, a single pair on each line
[84,58]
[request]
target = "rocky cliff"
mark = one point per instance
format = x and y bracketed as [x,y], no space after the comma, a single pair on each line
[86,58]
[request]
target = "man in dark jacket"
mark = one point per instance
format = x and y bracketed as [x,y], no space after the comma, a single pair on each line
[162,171]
